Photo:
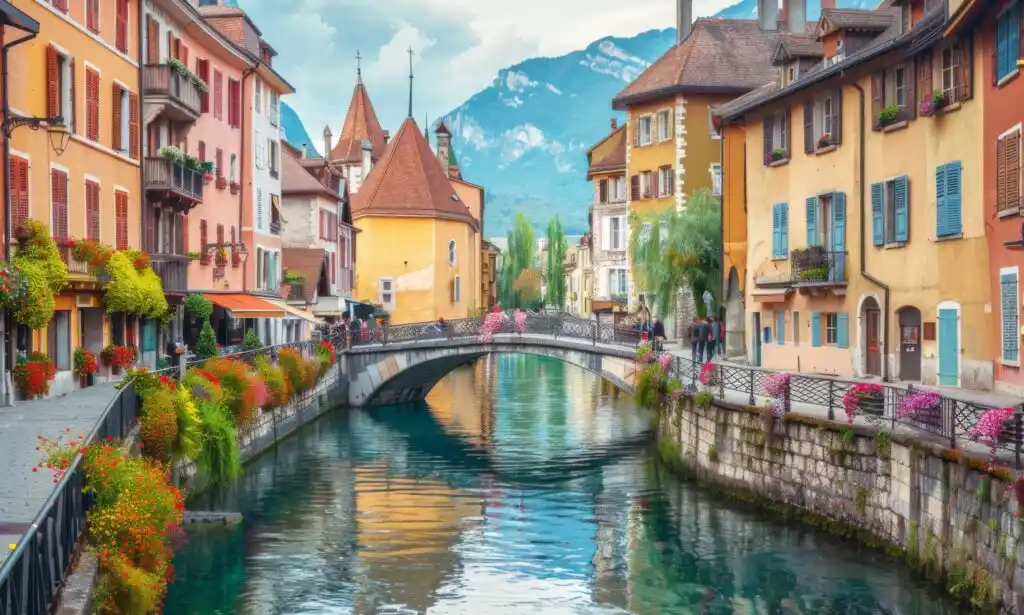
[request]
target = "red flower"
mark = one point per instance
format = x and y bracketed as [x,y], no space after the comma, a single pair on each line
[71,243]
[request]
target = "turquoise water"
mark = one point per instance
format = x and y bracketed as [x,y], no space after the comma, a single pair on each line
[523,486]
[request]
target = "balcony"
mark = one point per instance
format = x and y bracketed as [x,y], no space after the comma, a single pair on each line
[172,269]
[816,267]
[75,267]
[172,183]
[170,94]
[297,293]
[275,227]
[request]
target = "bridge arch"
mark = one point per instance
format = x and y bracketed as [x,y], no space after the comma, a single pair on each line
[399,373]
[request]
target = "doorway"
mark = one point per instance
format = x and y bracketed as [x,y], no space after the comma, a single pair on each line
[909,318]
[872,319]
[949,346]
[756,331]
[734,317]
[90,329]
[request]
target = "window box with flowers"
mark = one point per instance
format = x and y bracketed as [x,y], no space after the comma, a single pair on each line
[183,70]
[776,157]
[222,183]
[118,357]
[33,374]
[235,187]
[888,116]
[207,172]
[35,276]
[825,140]
[221,258]
[85,366]
[932,103]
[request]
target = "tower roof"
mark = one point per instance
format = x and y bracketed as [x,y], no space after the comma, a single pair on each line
[442,129]
[360,125]
[409,182]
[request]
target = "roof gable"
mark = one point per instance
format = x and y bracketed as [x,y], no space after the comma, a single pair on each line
[361,124]
[297,179]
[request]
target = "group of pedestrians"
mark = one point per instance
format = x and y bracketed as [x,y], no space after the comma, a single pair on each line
[653,330]
[707,337]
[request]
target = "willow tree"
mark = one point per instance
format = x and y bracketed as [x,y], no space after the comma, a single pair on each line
[557,247]
[519,255]
[678,249]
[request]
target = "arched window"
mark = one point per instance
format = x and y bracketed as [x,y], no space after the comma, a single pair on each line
[451,252]
[231,171]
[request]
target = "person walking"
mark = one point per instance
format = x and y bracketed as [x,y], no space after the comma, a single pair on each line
[721,338]
[710,339]
[691,334]
[701,328]
[658,333]
[716,335]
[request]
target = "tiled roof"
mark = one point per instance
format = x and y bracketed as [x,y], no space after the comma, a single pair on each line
[311,263]
[360,125]
[724,55]
[296,179]
[800,46]
[615,159]
[409,182]
[855,19]
[442,129]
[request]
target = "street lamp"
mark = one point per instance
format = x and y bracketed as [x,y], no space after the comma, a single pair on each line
[59,134]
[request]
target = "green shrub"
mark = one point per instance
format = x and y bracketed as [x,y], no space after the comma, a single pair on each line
[219,459]
[251,341]
[198,307]
[206,344]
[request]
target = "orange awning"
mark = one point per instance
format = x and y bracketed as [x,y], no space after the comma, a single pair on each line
[245,306]
[779,297]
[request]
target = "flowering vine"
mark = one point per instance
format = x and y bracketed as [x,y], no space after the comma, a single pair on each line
[853,397]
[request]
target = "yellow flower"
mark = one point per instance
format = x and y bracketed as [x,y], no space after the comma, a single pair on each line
[12,546]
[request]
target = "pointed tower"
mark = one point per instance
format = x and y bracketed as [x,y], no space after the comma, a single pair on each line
[361,127]
[444,143]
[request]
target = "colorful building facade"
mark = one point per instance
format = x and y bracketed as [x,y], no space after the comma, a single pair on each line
[609,214]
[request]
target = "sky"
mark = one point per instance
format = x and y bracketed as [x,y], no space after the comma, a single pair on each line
[458,45]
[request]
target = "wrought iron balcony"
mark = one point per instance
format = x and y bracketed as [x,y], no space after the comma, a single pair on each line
[275,227]
[172,269]
[173,183]
[176,95]
[815,266]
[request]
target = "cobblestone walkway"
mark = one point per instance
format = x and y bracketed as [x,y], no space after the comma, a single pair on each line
[22,491]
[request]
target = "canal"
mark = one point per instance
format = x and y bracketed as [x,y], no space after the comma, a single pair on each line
[523,486]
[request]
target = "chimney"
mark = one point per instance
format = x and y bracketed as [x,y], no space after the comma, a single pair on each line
[795,14]
[327,143]
[615,124]
[768,14]
[684,20]
[387,137]
[303,151]
[367,158]
[828,4]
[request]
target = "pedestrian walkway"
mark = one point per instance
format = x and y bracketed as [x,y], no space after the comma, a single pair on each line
[22,491]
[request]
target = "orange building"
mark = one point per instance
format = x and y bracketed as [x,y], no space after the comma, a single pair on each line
[83,67]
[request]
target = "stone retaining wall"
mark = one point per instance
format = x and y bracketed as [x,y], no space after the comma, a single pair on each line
[939,509]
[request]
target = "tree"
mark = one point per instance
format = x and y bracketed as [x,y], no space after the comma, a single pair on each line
[519,255]
[527,287]
[678,248]
[557,247]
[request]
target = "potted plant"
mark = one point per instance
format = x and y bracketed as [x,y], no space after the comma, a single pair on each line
[868,398]
[824,140]
[289,279]
[85,366]
[236,259]
[117,357]
[221,258]
[932,103]
[194,256]
[32,376]
[222,182]
[888,115]
[778,154]
[235,187]
[922,409]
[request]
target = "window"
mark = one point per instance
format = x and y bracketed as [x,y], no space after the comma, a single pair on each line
[272,163]
[121,26]
[131,105]
[716,179]
[664,125]
[60,86]
[275,111]
[234,103]
[19,189]
[893,88]
[954,73]
[780,327]
[890,211]
[1008,177]
[59,203]
[60,5]
[645,184]
[617,282]
[218,163]
[58,335]
[602,191]
[665,181]
[92,210]
[780,230]
[386,293]
[92,104]
[121,114]
[121,220]
[257,98]
[714,125]
[451,252]
[457,289]
[948,200]
[823,121]
[218,95]
[776,137]
[1007,42]
[831,329]
[1009,300]
[643,131]
[613,234]
[92,15]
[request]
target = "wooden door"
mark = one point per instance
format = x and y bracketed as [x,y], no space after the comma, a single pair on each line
[873,356]
[910,344]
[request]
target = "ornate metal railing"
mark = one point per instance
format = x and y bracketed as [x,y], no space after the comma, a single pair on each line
[816,266]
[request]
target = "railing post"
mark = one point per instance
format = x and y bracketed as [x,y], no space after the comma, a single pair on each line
[831,407]
[751,389]
[786,400]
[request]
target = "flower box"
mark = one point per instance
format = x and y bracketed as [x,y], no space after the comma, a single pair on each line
[235,187]
[824,140]
[207,177]
[222,183]
[221,259]
[921,409]
[888,115]
[236,260]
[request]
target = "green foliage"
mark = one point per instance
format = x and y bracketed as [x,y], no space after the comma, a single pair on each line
[206,344]
[131,291]
[713,454]
[557,247]
[219,460]
[649,386]
[703,399]
[883,443]
[44,273]
[674,249]
[251,341]
[198,307]
[519,256]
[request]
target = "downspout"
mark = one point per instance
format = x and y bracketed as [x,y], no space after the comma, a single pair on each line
[721,223]
[242,165]
[7,350]
[863,253]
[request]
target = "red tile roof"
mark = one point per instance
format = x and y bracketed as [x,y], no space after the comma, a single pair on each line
[442,129]
[613,160]
[728,56]
[409,182]
[360,125]
[297,179]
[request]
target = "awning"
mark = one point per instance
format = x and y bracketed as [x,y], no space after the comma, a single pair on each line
[246,306]
[297,313]
[12,16]
[772,297]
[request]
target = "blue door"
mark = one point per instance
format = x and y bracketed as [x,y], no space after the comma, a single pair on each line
[949,347]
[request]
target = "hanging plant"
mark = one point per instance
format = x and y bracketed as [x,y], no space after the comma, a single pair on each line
[13,285]
[118,356]
[92,253]
[132,291]
[85,362]
[45,275]
[140,260]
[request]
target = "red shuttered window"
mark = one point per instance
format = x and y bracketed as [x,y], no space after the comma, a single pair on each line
[121,26]
[92,104]
[203,71]
[59,203]
[219,163]
[92,15]
[92,210]
[234,103]
[133,124]
[61,5]
[218,95]
[334,268]
[19,190]
[121,220]
[202,236]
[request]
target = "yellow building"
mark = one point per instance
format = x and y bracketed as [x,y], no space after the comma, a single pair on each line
[83,67]
[579,279]
[672,147]
[488,274]
[866,250]
[420,242]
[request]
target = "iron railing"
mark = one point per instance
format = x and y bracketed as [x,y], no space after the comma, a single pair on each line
[172,269]
[163,80]
[163,174]
[816,266]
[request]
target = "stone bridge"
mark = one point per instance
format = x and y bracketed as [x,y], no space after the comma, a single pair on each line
[398,372]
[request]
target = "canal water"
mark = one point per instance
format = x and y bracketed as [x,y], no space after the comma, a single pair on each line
[523,485]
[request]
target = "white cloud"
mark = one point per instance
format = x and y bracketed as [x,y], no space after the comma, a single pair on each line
[554,89]
[518,82]
[393,56]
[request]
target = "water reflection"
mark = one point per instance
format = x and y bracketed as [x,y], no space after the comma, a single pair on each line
[526,486]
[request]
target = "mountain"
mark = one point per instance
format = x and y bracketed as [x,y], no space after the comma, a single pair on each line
[525,136]
[295,133]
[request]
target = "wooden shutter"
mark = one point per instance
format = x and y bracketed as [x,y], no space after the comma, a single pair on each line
[1002,196]
[218,95]
[776,230]
[121,26]
[877,98]
[655,186]
[1009,315]
[924,77]
[121,220]
[954,198]
[92,104]
[152,41]
[61,5]
[902,205]
[92,210]
[183,52]
[220,233]
[940,200]
[809,136]
[234,103]
[877,196]
[1011,149]
[837,116]
[202,235]
[636,132]
[334,269]
[92,15]
[964,59]
[59,199]
[219,163]
[184,234]
[767,125]
[171,53]
[203,69]
[602,191]
[634,188]
[115,100]
[53,102]
[201,151]
[811,211]
[133,124]
[19,190]
[909,90]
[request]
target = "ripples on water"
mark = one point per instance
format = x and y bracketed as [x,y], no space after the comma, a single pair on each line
[527,486]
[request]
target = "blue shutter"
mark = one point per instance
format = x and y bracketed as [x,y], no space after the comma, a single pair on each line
[780,327]
[940,201]
[776,230]
[1002,44]
[816,329]
[1013,37]
[876,212]
[812,221]
[838,269]
[902,209]
[784,229]
[843,330]
[1010,322]
[954,199]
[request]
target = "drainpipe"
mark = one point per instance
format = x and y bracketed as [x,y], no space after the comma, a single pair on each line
[7,351]
[242,165]
[721,217]
[863,253]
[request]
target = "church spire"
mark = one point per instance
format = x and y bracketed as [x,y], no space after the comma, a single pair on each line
[359,67]
[410,82]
